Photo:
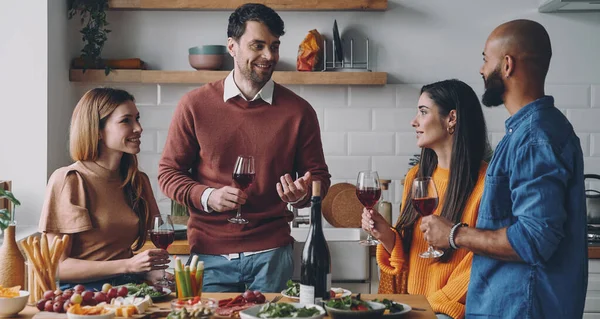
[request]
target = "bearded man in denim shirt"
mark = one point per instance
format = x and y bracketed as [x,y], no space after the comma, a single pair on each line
[530,242]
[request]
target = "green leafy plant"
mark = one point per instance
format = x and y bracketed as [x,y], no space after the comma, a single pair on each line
[178,209]
[5,217]
[94,32]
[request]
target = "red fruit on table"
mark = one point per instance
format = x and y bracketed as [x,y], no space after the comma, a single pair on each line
[87,295]
[79,288]
[66,305]
[48,294]
[40,304]
[99,296]
[49,306]
[58,306]
[257,292]
[112,293]
[261,298]
[122,291]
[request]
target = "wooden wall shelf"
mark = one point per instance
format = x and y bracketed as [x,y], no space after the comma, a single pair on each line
[290,5]
[197,77]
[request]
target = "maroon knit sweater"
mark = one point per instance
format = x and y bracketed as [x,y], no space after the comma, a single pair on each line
[206,136]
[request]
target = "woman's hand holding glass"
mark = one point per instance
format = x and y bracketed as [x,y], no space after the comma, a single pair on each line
[148,260]
[373,223]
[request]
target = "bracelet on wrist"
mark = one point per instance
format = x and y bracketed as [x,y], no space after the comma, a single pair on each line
[452,234]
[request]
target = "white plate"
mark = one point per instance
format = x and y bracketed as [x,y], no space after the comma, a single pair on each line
[346,293]
[251,313]
[395,315]
[179,227]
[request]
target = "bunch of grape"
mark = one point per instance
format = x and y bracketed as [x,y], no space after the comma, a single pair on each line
[60,301]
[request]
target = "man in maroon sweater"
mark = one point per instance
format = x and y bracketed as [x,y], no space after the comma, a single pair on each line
[245,114]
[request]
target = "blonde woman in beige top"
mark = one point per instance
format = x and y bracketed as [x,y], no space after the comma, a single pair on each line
[102,200]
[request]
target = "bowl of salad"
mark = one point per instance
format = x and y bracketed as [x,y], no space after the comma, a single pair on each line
[353,308]
[283,310]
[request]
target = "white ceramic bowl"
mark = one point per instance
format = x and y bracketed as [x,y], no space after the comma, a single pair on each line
[12,306]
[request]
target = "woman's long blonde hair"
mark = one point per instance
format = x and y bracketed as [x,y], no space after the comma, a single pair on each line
[89,117]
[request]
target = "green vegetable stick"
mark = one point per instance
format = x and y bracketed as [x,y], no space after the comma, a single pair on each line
[180,273]
[188,283]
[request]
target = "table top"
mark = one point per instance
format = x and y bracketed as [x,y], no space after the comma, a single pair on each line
[415,301]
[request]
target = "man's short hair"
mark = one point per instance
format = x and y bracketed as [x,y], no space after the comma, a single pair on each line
[254,12]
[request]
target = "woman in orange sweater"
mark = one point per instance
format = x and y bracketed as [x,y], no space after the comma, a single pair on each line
[451,132]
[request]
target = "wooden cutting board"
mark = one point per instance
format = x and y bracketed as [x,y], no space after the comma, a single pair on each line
[347,209]
[153,312]
[327,204]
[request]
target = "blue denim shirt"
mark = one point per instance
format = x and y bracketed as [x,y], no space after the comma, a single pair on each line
[534,187]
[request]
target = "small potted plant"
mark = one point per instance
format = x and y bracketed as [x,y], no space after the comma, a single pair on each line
[94,33]
[7,218]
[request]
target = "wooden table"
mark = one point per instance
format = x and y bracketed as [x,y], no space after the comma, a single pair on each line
[417,301]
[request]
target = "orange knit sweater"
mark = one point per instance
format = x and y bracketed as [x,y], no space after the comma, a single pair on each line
[444,284]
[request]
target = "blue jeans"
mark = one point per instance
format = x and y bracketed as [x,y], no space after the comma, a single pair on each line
[267,272]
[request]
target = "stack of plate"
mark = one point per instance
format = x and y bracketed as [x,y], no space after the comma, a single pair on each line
[180,231]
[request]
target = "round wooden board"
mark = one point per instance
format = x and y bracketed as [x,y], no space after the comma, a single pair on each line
[347,209]
[327,204]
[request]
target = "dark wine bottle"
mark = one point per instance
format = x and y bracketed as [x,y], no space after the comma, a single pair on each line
[315,273]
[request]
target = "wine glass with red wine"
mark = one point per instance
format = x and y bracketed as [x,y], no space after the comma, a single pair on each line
[243,176]
[162,235]
[425,201]
[368,192]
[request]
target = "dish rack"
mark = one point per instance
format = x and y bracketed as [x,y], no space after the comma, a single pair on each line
[343,65]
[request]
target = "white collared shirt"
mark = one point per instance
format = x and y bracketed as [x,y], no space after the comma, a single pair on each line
[230,90]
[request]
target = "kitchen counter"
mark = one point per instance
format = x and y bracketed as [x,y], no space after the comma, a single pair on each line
[181,247]
[415,301]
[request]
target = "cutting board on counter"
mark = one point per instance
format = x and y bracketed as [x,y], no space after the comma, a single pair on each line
[153,312]
[341,207]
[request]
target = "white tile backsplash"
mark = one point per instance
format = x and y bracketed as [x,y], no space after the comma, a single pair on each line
[393,120]
[148,141]
[595,144]
[156,117]
[595,96]
[407,95]
[495,118]
[347,167]
[584,120]
[371,143]
[334,143]
[391,167]
[373,96]
[406,144]
[570,96]
[326,96]
[347,120]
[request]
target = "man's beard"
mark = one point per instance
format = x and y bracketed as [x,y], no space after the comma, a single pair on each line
[259,79]
[494,89]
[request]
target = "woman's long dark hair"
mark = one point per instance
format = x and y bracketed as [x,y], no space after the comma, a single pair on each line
[470,145]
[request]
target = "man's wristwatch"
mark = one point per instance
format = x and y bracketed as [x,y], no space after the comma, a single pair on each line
[452,232]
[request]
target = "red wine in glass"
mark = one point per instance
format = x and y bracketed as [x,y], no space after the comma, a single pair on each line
[162,238]
[244,180]
[243,176]
[425,201]
[368,191]
[368,196]
[425,206]
[162,235]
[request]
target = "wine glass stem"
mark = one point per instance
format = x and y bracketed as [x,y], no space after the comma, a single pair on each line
[239,212]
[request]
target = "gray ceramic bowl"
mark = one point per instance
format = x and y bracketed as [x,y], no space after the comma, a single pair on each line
[208,49]
[375,313]
[206,61]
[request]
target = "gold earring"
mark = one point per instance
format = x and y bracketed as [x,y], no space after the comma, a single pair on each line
[450,130]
